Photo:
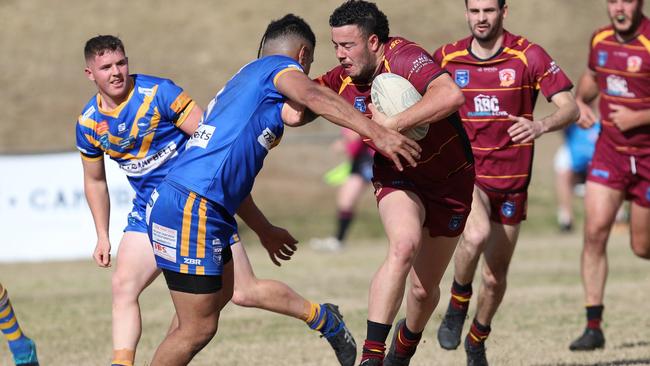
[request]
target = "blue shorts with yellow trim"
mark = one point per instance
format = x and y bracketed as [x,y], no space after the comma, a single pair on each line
[188,233]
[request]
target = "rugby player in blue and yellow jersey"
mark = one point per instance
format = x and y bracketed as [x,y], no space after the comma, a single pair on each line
[142,122]
[190,215]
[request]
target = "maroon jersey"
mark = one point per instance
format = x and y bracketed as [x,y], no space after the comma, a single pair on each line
[507,83]
[622,71]
[445,149]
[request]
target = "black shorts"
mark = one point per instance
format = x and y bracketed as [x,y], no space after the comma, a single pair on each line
[196,284]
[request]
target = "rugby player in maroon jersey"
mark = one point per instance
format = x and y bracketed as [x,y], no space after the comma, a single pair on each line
[500,75]
[423,208]
[618,71]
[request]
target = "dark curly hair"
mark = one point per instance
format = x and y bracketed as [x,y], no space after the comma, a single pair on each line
[100,44]
[363,14]
[288,25]
[502,3]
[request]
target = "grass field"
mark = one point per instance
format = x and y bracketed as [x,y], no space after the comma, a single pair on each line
[66,308]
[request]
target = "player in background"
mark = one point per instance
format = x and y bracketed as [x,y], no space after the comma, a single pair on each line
[22,348]
[571,162]
[190,214]
[142,122]
[619,65]
[350,192]
[423,209]
[501,75]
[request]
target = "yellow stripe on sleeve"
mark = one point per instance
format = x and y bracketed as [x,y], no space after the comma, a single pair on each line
[183,117]
[452,56]
[277,76]
[601,37]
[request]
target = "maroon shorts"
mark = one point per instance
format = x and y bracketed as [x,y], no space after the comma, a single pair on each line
[447,203]
[622,172]
[507,208]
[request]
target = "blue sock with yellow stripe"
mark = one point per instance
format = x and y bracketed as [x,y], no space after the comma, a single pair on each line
[320,320]
[21,347]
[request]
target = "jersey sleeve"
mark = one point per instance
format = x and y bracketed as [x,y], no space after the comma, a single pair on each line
[548,76]
[591,63]
[282,68]
[437,56]
[86,142]
[416,65]
[174,102]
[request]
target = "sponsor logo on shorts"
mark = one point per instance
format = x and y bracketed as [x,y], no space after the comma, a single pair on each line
[602,58]
[600,173]
[360,104]
[193,261]
[267,139]
[507,77]
[462,78]
[455,222]
[201,137]
[647,194]
[164,235]
[164,252]
[508,209]
[140,167]
[150,203]
[217,248]
[134,217]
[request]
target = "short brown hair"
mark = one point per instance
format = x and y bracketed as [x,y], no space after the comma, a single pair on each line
[100,44]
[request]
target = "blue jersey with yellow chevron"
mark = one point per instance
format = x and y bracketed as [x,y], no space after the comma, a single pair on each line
[141,134]
[239,127]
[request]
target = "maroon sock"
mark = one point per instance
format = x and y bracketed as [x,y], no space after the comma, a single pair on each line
[594,316]
[478,333]
[373,349]
[460,295]
[406,342]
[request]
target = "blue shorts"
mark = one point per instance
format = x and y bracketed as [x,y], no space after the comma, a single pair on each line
[188,233]
[136,220]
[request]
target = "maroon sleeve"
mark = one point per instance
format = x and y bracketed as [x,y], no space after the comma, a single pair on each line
[592,57]
[330,79]
[437,56]
[546,73]
[416,65]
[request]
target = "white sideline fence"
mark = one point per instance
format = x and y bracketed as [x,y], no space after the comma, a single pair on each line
[43,211]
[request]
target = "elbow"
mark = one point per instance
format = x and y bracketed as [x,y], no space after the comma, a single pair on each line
[458,99]
[575,112]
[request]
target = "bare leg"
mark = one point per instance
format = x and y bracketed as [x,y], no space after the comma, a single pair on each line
[639,234]
[473,239]
[136,269]
[198,319]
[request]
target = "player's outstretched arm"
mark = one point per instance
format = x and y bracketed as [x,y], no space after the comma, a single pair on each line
[192,120]
[324,102]
[96,191]
[278,242]
[442,98]
[587,92]
[525,131]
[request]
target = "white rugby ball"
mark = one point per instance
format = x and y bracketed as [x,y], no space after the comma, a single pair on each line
[392,94]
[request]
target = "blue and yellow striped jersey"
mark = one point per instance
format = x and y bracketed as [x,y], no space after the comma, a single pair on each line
[141,134]
[239,127]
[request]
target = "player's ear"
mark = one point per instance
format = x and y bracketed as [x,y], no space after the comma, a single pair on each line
[89,74]
[373,42]
[505,11]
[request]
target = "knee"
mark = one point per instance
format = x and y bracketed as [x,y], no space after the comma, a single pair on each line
[403,252]
[200,335]
[244,296]
[641,248]
[423,295]
[474,239]
[596,239]
[124,288]
[494,281]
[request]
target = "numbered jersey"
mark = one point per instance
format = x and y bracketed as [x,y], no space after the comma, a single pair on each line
[241,124]
[141,134]
[507,83]
[622,71]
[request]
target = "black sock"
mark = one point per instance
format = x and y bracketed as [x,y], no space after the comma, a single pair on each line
[344,221]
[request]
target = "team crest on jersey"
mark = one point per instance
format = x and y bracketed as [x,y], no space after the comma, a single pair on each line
[102,131]
[508,209]
[602,58]
[462,78]
[360,104]
[634,64]
[507,77]
[455,222]
[121,127]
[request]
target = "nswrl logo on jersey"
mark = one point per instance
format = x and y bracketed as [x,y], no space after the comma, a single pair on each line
[360,104]
[462,78]
[508,209]
[602,58]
